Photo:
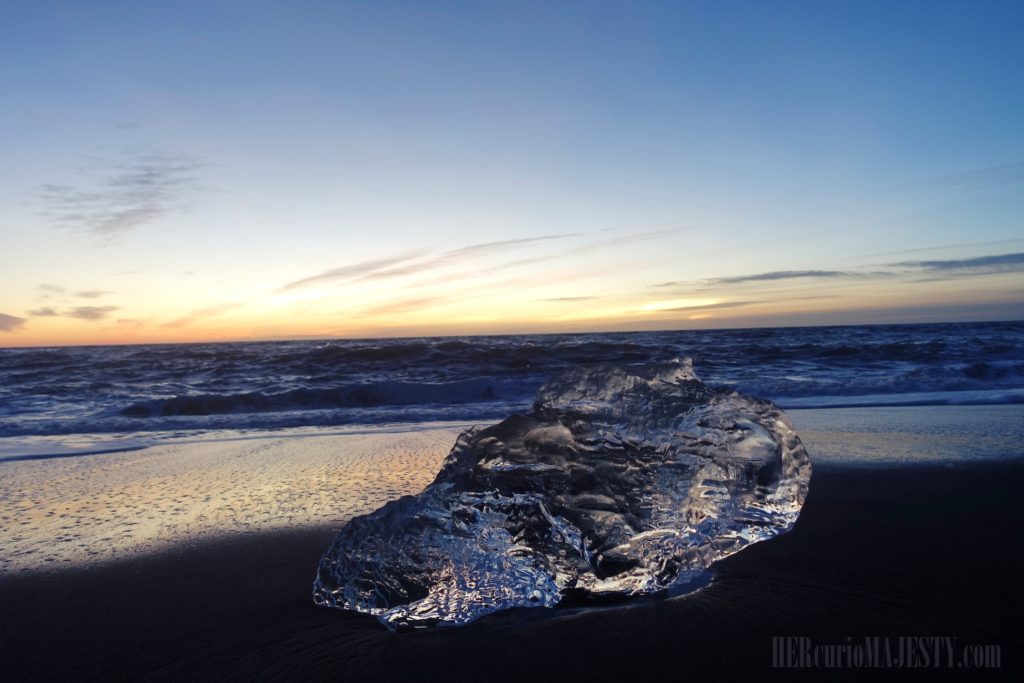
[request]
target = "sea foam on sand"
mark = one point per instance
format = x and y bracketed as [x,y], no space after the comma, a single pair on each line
[95,508]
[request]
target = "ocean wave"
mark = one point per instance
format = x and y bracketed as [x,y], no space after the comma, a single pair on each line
[347,396]
[936,398]
[178,426]
[979,376]
[270,384]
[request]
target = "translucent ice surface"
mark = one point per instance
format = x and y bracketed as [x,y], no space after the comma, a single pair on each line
[619,482]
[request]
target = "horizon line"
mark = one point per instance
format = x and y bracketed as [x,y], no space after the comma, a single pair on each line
[272,340]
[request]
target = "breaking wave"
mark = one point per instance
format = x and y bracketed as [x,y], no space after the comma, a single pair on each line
[346,396]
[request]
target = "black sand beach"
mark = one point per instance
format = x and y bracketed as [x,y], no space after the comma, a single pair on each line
[437,308]
[895,551]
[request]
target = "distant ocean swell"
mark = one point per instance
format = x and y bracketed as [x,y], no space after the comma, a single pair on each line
[83,390]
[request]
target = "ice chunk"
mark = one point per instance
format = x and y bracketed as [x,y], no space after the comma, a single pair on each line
[619,482]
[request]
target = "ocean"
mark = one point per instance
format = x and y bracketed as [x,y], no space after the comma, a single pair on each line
[73,400]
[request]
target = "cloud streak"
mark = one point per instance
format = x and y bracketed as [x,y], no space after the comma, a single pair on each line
[630,238]
[942,247]
[455,256]
[779,275]
[11,323]
[997,263]
[773,276]
[500,246]
[201,313]
[976,178]
[90,312]
[129,195]
[934,270]
[350,271]
[78,312]
[408,263]
[48,291]
[402,306]
[708,307]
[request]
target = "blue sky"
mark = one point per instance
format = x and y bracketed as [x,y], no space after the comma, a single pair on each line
[505,166]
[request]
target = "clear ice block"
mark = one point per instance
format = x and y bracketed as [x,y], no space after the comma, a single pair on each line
[619,482]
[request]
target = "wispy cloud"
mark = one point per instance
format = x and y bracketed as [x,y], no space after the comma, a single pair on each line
[500,246]
[90,312]
[779,275]
[928,270]
[128,195]
[403,270]
[201,313]
[943,247]
[401,265]
[350,271]
[47,290]
[402,306]
[708,307]
[568,299]
[997,263]
[620,240]
[11,323]
[455,256]
[78,312]
[975,178]
[772,276]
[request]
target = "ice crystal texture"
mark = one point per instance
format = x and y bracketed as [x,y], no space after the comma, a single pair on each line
[619,482]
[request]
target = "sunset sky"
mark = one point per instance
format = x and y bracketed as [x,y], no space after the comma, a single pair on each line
[190,171]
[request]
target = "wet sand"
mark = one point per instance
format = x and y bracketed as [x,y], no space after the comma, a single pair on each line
[71,511]
[892,549]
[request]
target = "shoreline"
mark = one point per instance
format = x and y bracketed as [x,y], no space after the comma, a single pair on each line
[32,447]
[65,511]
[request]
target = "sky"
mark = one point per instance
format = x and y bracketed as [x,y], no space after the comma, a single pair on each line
[198,171]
